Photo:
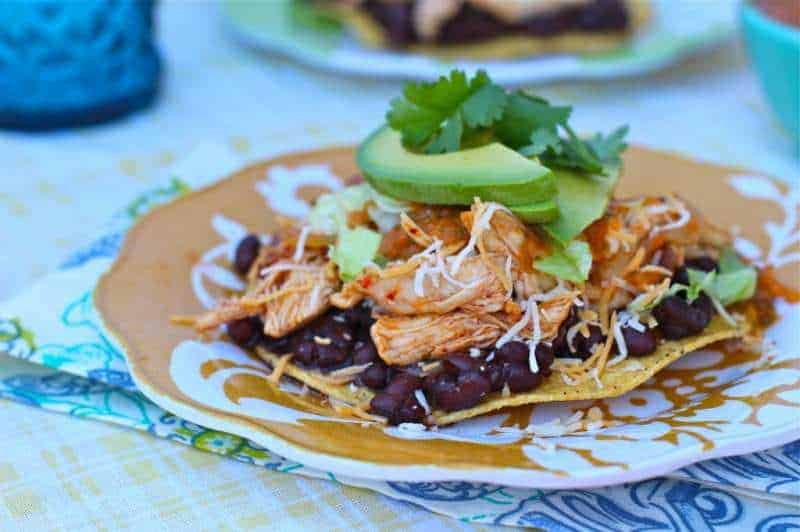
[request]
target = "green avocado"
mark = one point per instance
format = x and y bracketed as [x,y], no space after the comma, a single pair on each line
[537,213]
[492,172]
[581,200]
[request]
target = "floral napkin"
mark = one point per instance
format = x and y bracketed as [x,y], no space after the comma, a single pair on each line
[61,359]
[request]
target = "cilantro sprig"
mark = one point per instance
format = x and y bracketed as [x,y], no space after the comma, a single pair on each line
[454,113]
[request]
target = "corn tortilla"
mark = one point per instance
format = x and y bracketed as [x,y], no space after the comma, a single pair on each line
[616,380]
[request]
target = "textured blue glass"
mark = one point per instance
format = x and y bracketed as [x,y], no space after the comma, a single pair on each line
[75,62]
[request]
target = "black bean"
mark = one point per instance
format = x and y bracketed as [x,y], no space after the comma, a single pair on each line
[638,343]
[398,407]
[364,352]
[679,319]
[494,371]
[246,331]
[457,392]
[246,253]
[339,333]
[374,376]
[410,411]
[276,345]
[519,353]
[359,316]
[681,276]
[304,349]
[460,362]
[584,344]
[560,347]
[403,384]
[544,357]
[385,404]
[513,352]
[519,377]
[330,355]
[704,264]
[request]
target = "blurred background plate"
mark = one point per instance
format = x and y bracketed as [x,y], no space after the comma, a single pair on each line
[677,29]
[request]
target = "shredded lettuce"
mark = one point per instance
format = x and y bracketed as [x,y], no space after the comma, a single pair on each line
[735,281]
[354,249]
[330,211]
[571,263]
[699,281]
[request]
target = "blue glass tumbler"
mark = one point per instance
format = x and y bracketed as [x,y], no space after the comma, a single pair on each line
[67,63]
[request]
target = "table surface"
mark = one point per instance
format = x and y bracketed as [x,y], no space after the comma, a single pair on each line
[58,188]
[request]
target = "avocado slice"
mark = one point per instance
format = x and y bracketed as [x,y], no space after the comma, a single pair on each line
[537,213]
[581,200]
[493,172]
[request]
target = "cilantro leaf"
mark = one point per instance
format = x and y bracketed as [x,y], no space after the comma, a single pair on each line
[608,149]
[431,116]
[450,137]
[456,113]
[416,124]
[542,140]
[571,263]
[485,106]
[526,113]
[443,95]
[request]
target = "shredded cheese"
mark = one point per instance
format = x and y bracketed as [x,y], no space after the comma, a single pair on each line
[183,320]
[621,283]
[635,262]
[655,269]
[672,206]
[414,231]
[280,367]
[722,312]
[510,287]
[344,375]
[422,400]
[486,211]
[284,267]
[515,329]
[536,337]
[656,259]
[260,301]
[301,243]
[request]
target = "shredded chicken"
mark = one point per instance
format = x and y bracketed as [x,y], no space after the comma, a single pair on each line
[349,296]
[426,289]
[409,339]
[508,235]
[406,340]
[288,296]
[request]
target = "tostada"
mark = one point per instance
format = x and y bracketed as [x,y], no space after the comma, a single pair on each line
[482,262]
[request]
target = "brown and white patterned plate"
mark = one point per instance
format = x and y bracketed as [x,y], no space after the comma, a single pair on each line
[709,404]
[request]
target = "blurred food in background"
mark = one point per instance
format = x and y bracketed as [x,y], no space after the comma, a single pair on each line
[65,63]
[518,42]
[488,28]
[772,35]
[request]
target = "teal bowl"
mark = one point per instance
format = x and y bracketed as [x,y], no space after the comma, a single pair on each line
[774,50]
